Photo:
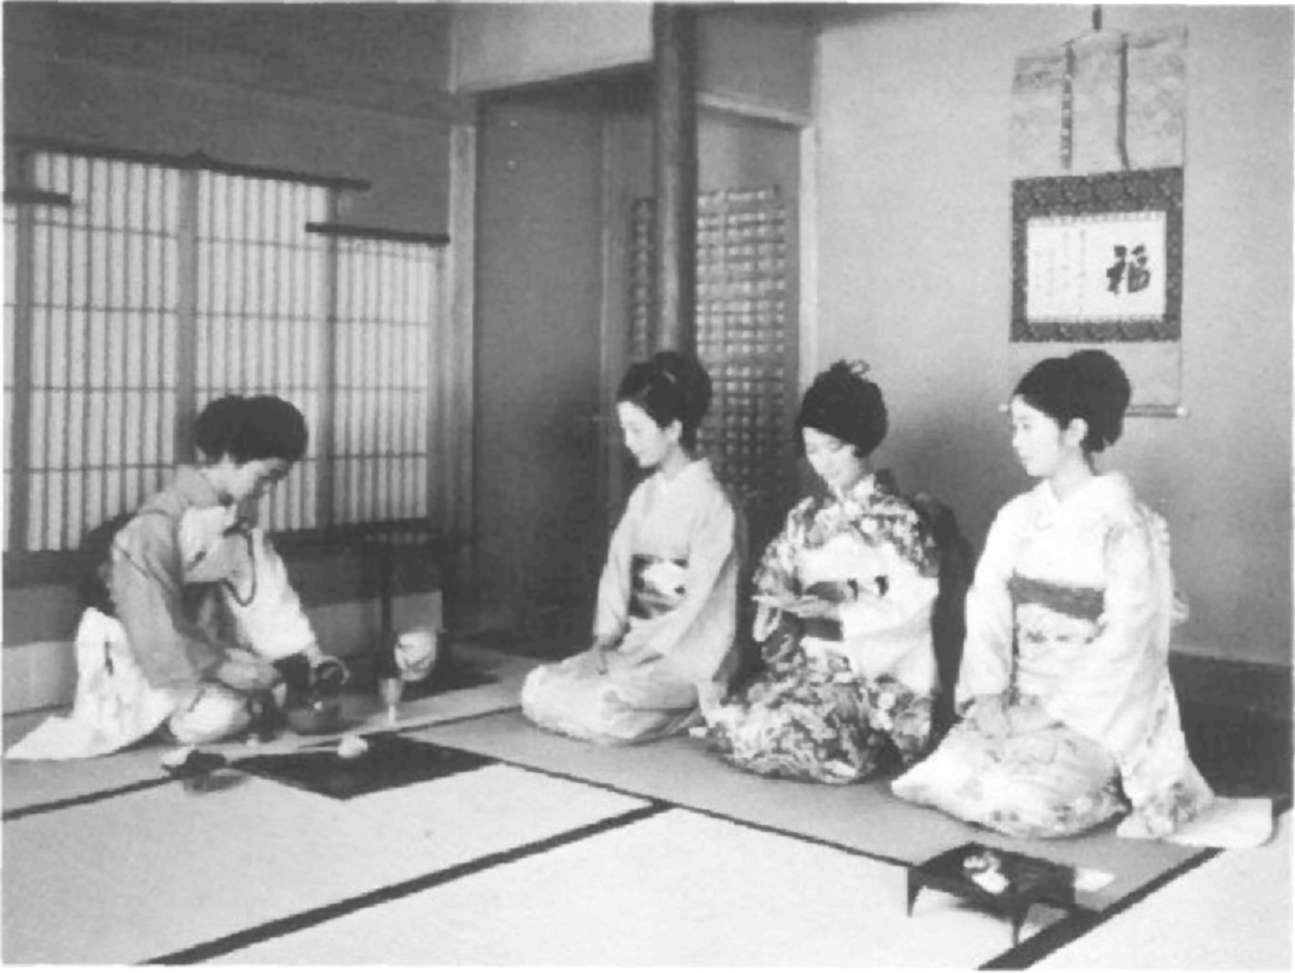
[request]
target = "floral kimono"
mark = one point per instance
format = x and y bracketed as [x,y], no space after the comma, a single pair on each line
[192,584]
[1068,624]
[667,599]
[834,694]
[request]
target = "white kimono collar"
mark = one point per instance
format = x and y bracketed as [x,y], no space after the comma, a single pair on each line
[862,490]
[198,492]
[1104,493]
[696,468]
[195,487]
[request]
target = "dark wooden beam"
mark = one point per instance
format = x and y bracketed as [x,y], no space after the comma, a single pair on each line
[351,231]
[674,44]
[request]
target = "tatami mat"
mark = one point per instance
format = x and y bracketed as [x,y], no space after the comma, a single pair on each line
[677,889]
[1200,921]
[865,817]
[150,873]
[566,853]
[29,784]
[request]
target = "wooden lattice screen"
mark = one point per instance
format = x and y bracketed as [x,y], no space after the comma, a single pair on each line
[745,337]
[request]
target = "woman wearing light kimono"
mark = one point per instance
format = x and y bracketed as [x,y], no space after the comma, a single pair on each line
[1069,715]
[665,619]
[194,605]
[844,598]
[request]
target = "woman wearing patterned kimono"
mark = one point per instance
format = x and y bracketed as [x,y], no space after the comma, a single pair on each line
[1068,711]
[844,598]
[193,605]
[665,620]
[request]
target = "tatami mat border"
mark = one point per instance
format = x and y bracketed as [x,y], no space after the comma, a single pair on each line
[90,797]
[1071,927]
[1037,947]
[334,910]
[704,812]
[1047,941]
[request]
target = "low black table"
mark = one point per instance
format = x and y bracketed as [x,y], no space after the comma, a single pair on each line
[1029,880]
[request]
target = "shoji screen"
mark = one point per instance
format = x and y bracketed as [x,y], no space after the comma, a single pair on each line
[387,300]
[92,319]
[138,292]
[262,311]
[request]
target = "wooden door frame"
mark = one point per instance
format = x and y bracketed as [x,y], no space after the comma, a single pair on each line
[614,326]
[455,418]
[616,199]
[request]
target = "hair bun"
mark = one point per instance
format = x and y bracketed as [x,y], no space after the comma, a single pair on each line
[844,404]
[669,386]
[1105,391]
[251,427]
[694,384]
[1088,385]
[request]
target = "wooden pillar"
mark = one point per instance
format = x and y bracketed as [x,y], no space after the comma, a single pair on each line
[674,45]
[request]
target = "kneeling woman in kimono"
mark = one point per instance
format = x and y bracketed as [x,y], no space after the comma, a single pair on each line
[195,604]
[1067,706]
[666,614]
[844,599]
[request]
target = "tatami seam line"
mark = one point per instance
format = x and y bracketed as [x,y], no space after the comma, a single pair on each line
[388,893]
[1071,927]
[90,797]
[1043,943]
[718,815]
[1065,931]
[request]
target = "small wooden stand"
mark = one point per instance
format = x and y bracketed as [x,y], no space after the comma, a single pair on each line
[1029,880]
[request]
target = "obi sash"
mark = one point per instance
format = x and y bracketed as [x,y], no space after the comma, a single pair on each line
[1059,614]
[656,585]
[1073,600]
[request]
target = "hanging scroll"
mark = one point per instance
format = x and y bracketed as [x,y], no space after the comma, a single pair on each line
[1097,197]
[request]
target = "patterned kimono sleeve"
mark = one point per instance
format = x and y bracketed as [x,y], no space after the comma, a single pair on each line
[987,651]
[272,620]
[1111,697]
[776,573]
[612,613]
[910,587]
[145,582]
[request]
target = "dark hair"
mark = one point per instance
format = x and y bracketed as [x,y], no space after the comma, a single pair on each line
[844,404]
[669,386]
[250,428]
[96,556]
[1088,385]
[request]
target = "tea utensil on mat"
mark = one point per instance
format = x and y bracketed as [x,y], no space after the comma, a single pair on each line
[390,689]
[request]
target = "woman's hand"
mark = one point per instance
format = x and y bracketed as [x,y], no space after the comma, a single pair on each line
[329,671]
[247,674]
[811,607]
[806,606]
[1028,718]
[833,592]
[781,639]
[598,654]
[988,715]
